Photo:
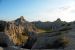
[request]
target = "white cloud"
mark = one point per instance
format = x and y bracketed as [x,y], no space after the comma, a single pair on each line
[65,12]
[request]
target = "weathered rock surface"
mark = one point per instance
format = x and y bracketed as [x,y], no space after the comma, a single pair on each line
[47,41]
[22,34]
[18,32]
[15,31]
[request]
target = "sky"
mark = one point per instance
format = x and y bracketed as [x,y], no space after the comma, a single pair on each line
[35,10]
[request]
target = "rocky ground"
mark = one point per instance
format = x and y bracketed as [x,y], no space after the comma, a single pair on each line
[23,35]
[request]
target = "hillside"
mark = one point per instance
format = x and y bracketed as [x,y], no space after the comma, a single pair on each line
[22,34]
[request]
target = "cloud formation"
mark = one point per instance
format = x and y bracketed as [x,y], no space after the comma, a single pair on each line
[65,13]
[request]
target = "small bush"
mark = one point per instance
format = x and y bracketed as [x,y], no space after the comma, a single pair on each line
[59,43]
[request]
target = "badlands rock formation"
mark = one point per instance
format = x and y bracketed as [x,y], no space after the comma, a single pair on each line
[20,34]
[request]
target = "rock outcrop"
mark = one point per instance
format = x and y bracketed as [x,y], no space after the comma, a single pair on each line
[18,31]
[23,34]
[15,31]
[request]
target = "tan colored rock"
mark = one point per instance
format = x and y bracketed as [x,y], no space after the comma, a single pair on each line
[15,34]
[18,31]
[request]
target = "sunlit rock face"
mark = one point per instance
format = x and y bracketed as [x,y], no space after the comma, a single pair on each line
[15,31]
[18,31]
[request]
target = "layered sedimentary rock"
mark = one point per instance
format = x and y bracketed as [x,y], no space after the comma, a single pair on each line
[22,33]
[17,31]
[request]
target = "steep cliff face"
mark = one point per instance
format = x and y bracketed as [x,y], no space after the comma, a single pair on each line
[18,31]
[15,31]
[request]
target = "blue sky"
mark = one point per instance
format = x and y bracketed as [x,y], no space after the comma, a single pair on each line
[34,10]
